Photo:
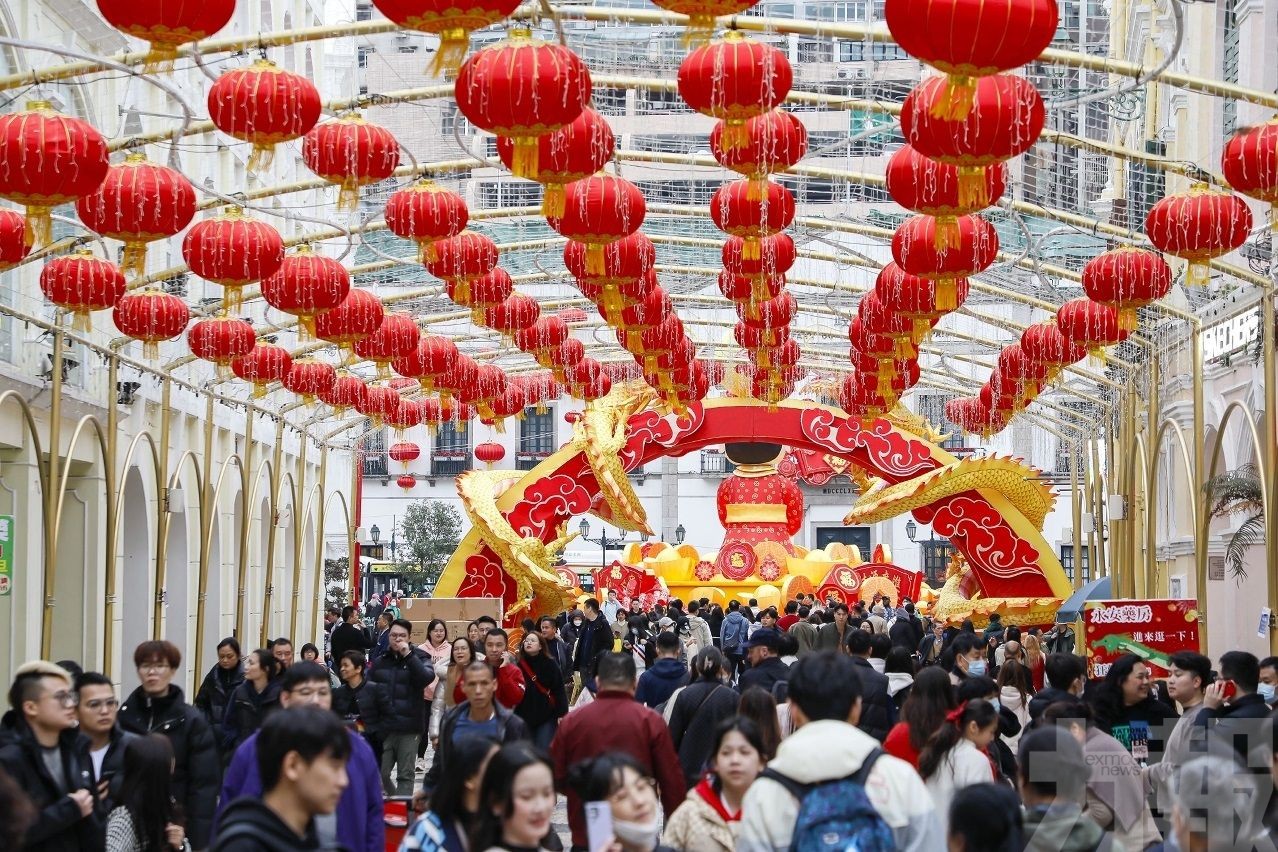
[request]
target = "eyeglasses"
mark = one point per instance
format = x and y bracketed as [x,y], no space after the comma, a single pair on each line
[321,692]
[153,668]
[97,705]
[66,699]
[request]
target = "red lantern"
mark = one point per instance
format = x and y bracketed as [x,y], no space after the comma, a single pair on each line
[167,25]
[748,337]
[309,378]
[351,153]
[1127,278]
[914,297]
[1090,324]
[1005,121]
[81,283]
[973,416]
[138,203]
[151,316]
[923,185]
[405,416]
[634,320]
[1045,343]
[515,313]
[564,357]
[463,258]
[1198,226]
[613,300]
[732,79]
[543,335]
[221,340]
[968,40]
[774,142]
[750,292]
[426,213]
[48,160]
[265,105]
[359,315]
[879,346]
[573,152]
[490,452]
[265,364]
[774,313]
[233,250]
[588,380]
[481,293]
[453,22]
[306,285]
[879,318]
[702,13]
[743,209]
[1015,365]
[862,400]
[432,358]
[599,210]
[480,387]
[523,88]
[971,248]
[406,481]
[346,391]
[776,255]
[397,336]
[381,403]
[405,452]
[15,239]
[1250,164]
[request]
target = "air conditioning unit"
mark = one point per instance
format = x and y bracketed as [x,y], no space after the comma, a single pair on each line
[1067,535]
[1116,505]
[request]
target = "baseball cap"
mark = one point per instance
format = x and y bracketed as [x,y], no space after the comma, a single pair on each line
[764,637]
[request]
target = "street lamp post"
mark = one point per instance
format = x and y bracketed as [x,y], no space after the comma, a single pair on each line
[602,540]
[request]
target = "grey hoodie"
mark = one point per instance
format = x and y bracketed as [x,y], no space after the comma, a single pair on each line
[1064,828]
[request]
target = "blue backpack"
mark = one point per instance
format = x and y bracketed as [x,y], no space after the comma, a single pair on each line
[837,814]
[733,634]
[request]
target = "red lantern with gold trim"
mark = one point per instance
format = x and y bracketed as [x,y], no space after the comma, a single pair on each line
[221,340]
[265,364]
[515,313]
[973,416]
[81,283]
[633,256]
[1250,164]
[381,403]
[405,452]
[732,79]
[452,21]
[138,203]
[406,481]
[972,247]
[1127,278]
[350,152]
[1090,324]
[167,25]
[405,416]
[599,210]
[1015,364]
[1005,121]
[461,259]
[573,152]
[426,213]
[429,362]
[306,285]
[397,335]
[15,239]
[151,316]
[359,315]
[233,251]
[914,297]
[49,160]
[346,391]
[542,336]
[523,88]
[774,142]
[702,13]
[967,40]
[309,378]
[481,293]
[1198,226]
[588,380]
[923,185]
[264,105]
[1044,342]
[776,255]
[744,209]
[750,292]
[489,452]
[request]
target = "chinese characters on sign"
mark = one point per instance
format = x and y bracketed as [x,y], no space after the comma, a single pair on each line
[1152,630]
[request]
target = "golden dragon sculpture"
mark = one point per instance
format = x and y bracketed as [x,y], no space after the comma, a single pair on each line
[600,434]
[527,559]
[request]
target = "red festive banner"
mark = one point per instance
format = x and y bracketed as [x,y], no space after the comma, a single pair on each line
[1151,629]
[627,581]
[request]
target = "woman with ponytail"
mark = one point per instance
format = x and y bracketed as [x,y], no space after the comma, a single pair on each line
[955,756]
[695,711]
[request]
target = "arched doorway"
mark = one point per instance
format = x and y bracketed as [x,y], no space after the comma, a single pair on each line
[135,589]
[177,586]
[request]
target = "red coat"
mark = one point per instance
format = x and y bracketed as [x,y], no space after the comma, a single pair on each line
[510,687]
[614,721]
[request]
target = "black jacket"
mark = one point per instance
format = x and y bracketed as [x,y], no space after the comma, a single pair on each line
[214,695]
[768,674]
[1047,696]
[560,651]
[197,773]
[248,825]
[906,632]
[593,639]
[401,681]
[544,695]
[247,711]
[58,824]
[363,704]
[929,654]
[697,711]
[878,713]
[509,729]
[348,637]
[1239,724]
[112,767]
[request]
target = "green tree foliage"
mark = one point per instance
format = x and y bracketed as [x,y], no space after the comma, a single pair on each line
[336,576]
[430,531]
[1238,492]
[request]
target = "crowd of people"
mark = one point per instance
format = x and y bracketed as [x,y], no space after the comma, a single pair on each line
[672,727]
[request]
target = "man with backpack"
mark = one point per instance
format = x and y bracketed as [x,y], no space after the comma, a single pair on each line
[830,785]
[733,634]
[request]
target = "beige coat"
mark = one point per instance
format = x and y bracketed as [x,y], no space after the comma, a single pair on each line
[697,827]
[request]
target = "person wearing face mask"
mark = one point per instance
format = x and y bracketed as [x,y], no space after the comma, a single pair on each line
[516,802]
[1002,758]
[631,794]
[1268,686]
[708,819]
[969,658]
[955,756]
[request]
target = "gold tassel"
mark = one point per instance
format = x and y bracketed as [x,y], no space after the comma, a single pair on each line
[259,390]
[232,298]
[595,259]
[946,234]
[734,136]
[523,160]
[553,201]
[160,59]
[308,399]
[759,291]
[922,328]
[499,426]
[426,252]
[650,363]
[461,427]
[540,407]
[377,421]
[133,263]
[611,302]
[957,98]
[903,348]
[151,350]
[763,358]
[348,196]
[461,290]
[634,343]
[755,187]
[223,372]
[751,309]
[477,316]
[883,387]
[1198,275]
[971,187]
[262,158]
[1127,319]
[945,295]
[1099,357]
[80,320]
[40,225]
[751,249]
[383,371]
[305,328]
[453,44]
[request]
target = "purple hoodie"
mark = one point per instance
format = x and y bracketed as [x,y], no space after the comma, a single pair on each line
[361,823]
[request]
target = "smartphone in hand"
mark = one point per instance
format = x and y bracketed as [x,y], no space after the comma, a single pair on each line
[598,826]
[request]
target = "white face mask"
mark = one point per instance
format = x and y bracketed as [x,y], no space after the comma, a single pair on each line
[1267,691]
[641,834]
[576,622]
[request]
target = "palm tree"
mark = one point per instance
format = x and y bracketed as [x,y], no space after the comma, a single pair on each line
[1238,492]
